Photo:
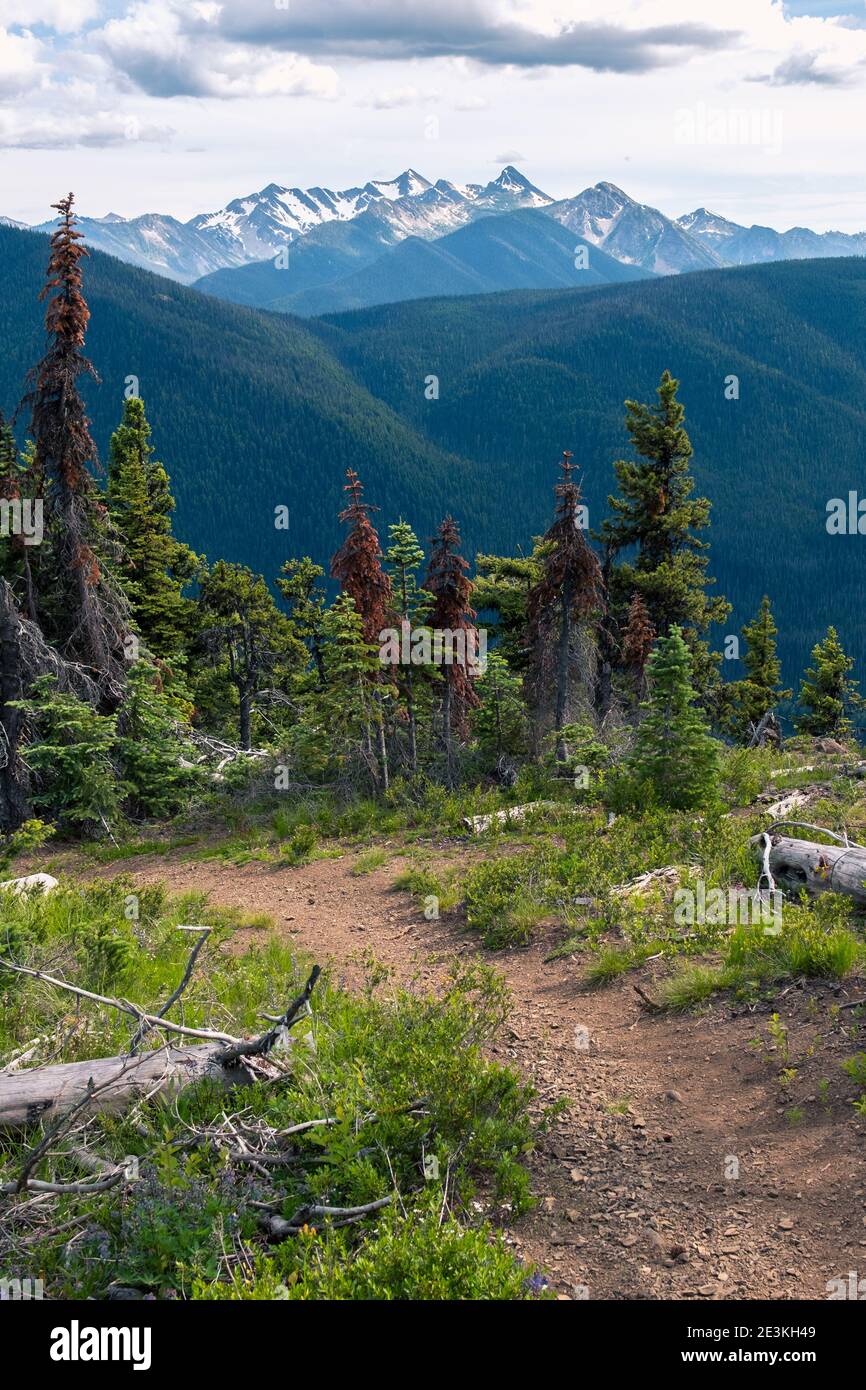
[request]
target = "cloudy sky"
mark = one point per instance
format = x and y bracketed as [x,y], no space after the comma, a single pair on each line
[753,108]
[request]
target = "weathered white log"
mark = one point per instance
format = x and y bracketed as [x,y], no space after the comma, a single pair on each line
[32,883]
[792,802]
[512,813]
[26,1096]
[817,868]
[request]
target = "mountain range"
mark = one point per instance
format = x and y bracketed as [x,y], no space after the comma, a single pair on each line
[254,410]
[256,227]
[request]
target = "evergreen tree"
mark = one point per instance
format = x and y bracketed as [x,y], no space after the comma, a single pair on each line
[350,696]
[70,758]
[404,556]
[242,626]
[85,609]
[450,589]
[299,586]
[155,567]
[503,584]
[674,755]
[150,749]
[827,694]
[637,644]
[358,563]
[499,722]
[750,699]
[568,591]
[358,567]
[657,513]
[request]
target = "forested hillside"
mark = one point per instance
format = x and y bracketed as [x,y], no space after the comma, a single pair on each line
[252,411]
[249,408]
[522,374]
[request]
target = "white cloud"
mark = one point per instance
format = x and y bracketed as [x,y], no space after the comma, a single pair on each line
[473,101]
[169,51]
[60,130]
[64,16]
[22,66]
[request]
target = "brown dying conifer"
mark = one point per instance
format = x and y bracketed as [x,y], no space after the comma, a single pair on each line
[87,616]
[569,589]
[451,589]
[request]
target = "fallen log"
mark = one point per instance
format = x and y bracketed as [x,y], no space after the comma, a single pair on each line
[29,1095]
[806,864]
[112,1083]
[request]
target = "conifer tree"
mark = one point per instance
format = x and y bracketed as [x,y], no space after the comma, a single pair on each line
[568,591]
[503,584]
[358,567]
[637,644]
[242,626]
[299,586]
[750,699]
[404,556]
[674,755]
[657,513]
[358,562]
[499,722]
[447,583]
[155,567]
[350,696]
[85,608]
[827,694]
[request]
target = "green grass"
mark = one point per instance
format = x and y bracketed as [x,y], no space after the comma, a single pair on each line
[612,961]
[366,863]
[403,1076]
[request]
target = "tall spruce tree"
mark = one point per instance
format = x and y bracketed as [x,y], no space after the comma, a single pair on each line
[827,694]
[452,618]
[155,567]
[657,513]
[568,591]
[358,566]
[674,755]
[82,607]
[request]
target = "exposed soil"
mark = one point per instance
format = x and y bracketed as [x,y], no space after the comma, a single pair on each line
[681,1168]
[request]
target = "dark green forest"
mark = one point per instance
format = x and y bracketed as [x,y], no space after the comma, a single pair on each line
[252,411]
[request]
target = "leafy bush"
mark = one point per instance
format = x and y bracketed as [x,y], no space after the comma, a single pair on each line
[414,1256]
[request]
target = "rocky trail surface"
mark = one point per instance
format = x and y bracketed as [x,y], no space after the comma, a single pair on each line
[680,1166]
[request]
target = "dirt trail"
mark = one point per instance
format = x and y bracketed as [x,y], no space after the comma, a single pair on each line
[675,1172]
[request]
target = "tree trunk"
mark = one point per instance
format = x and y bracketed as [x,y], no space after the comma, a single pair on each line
[26,1096]
[447,733]
[383,749]
[413,731]
[798,864]
[562,673]
[14,809]
[245,713]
